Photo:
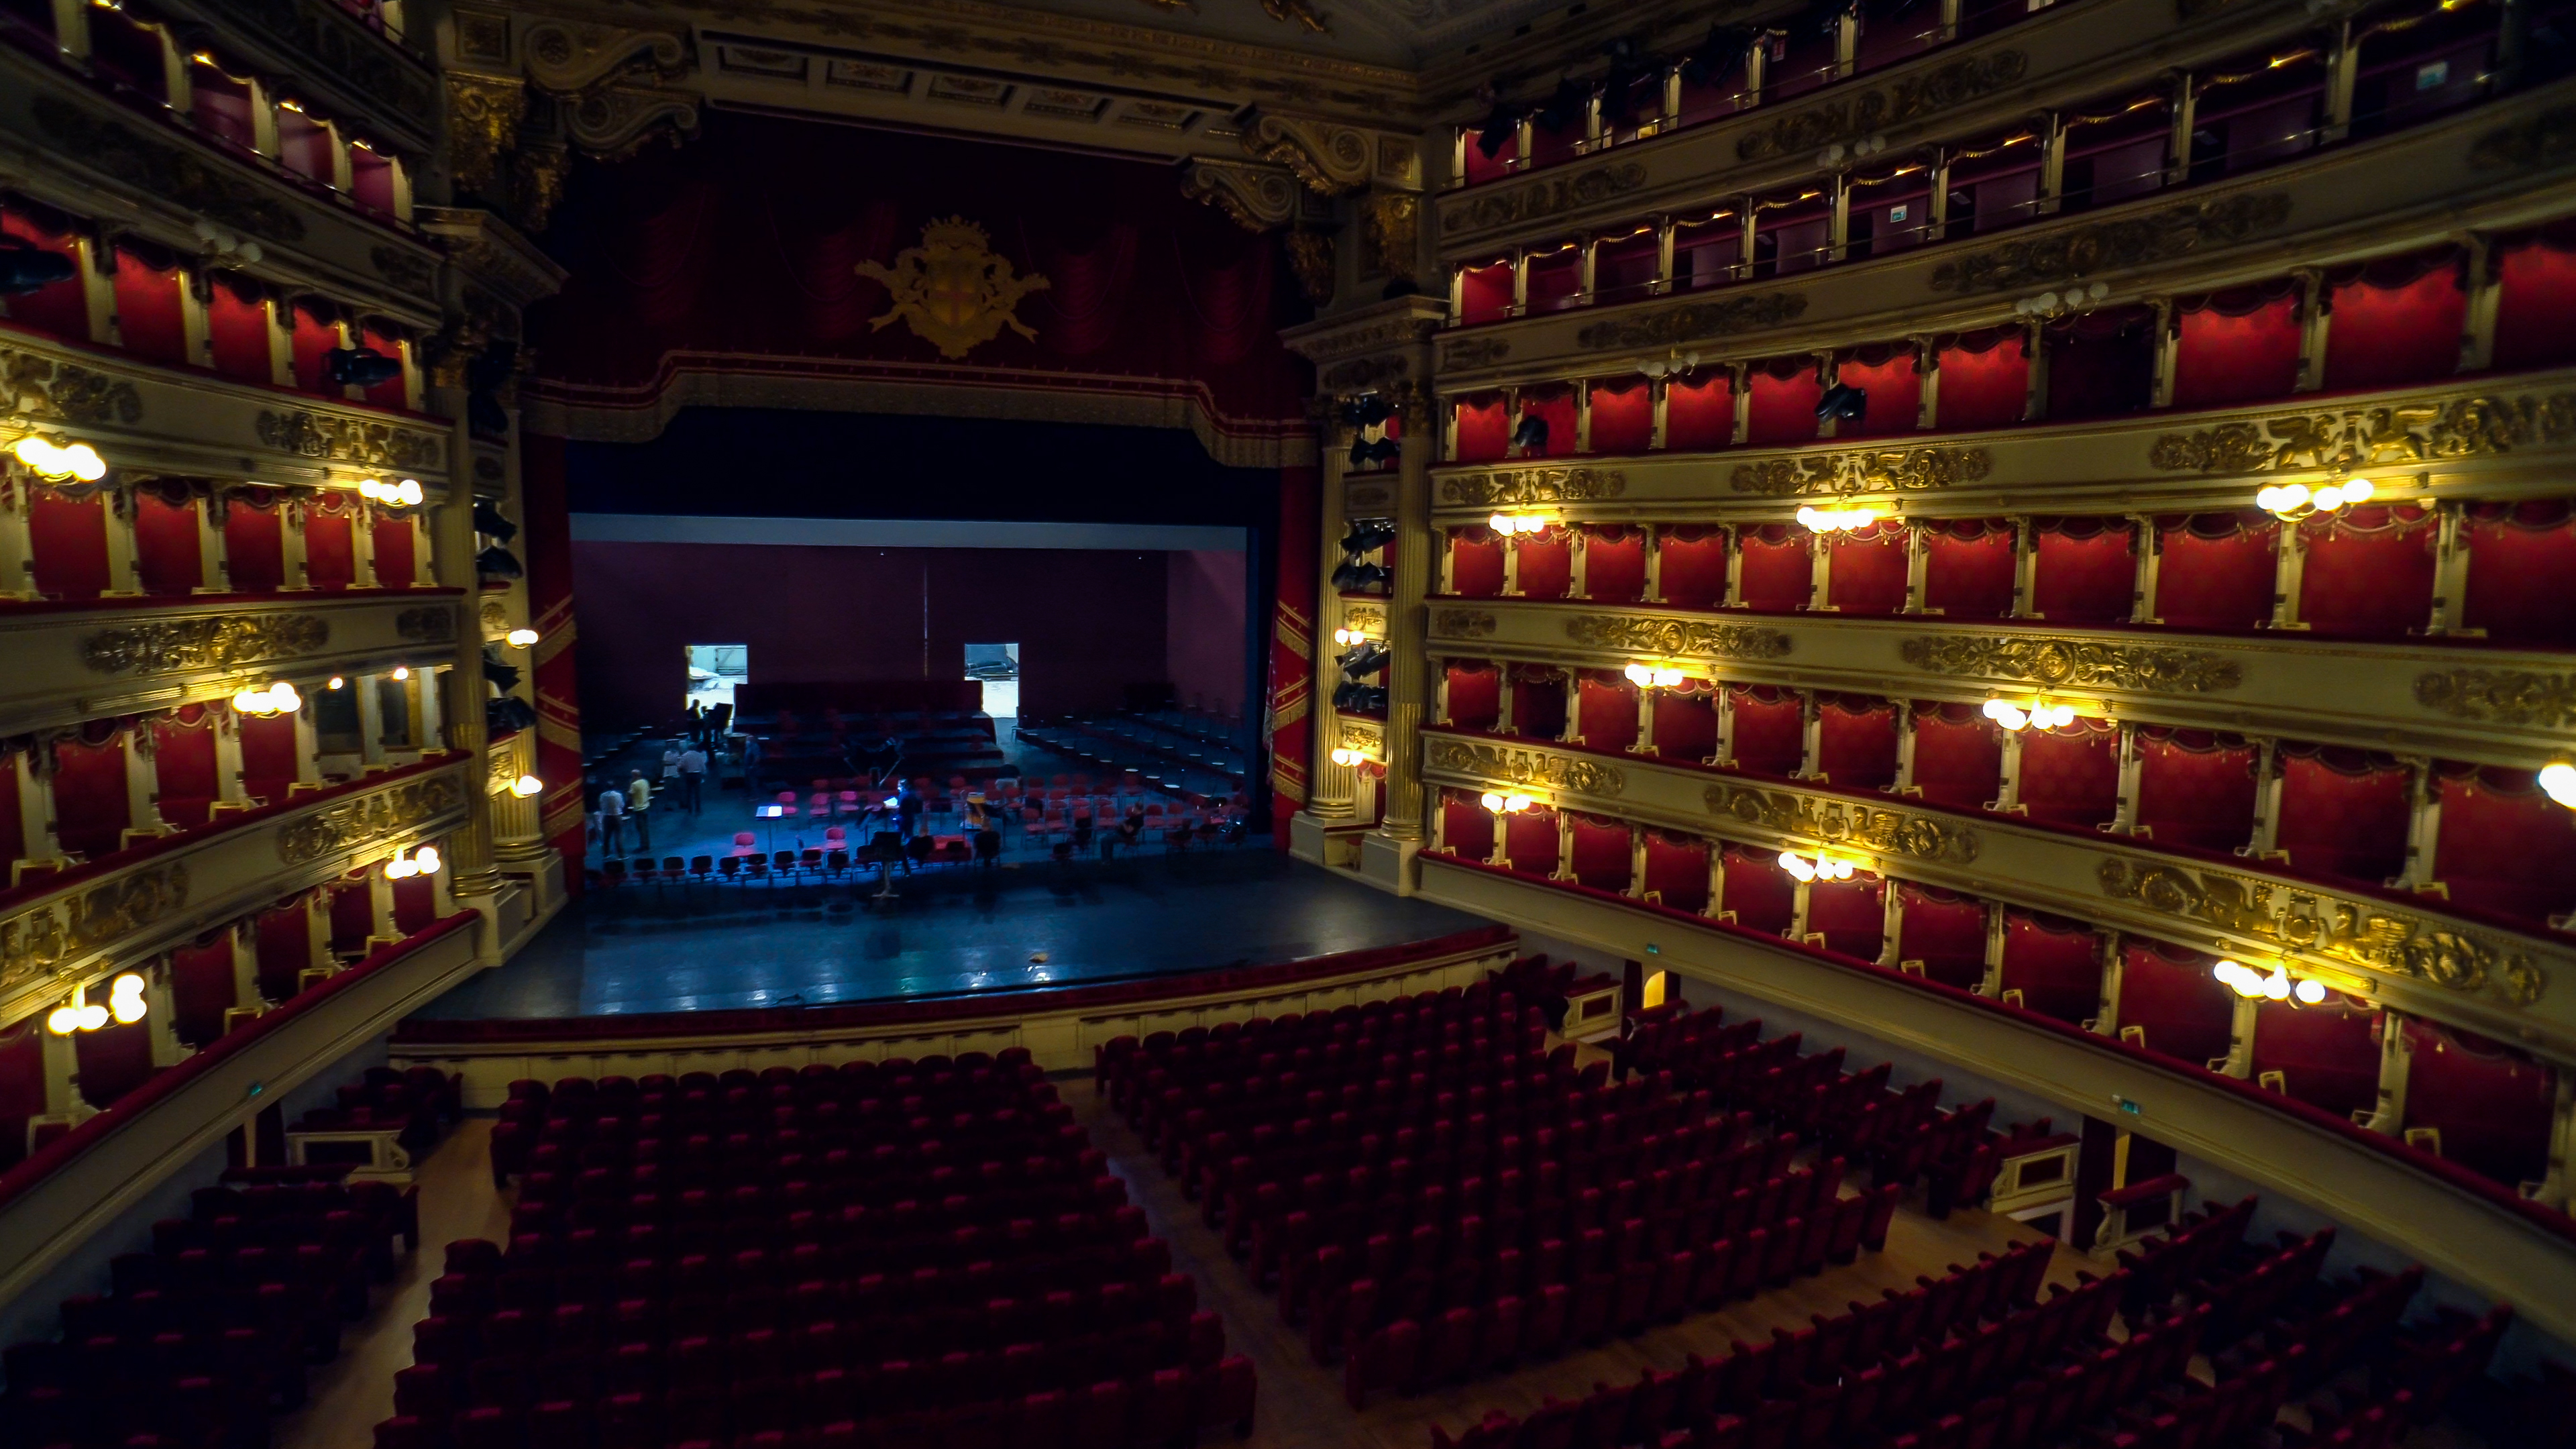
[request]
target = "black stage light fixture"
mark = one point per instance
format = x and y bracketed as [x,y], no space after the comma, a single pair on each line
[489,522]
[1368,535]
[497,562]
[1365,660]
[1725,47]
[1843,401]
[1365,453]
[1565,108]
[502,675]
[1366,411]
[1502,126]
[360,366]
[1354,577]
[507,714]
[25,269]
[1360,698]
[1531,435]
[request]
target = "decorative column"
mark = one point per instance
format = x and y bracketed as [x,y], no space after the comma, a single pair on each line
[2343,69]
[362,546]
[1927,387]
[317,933]
[34,767]
[308,752]
[1583,388]
[1645,744]
[2182,105]
[2160,385]
[2148,547]
[1654,551]
[2289,561]
[1573,732]
[2484,279]
[1801,895]
[1578,554]
[1820,574]
[17,547]
[2423,830]
[243,938]
[1659,407]
[1891,920]
[1724,759]
[2124,818]
[1503,698]
[2052,164]
[1387,855]
[2553,1189]
[476,880]
[1636,862]
[2106,1014]
[161,1015]
[1904,784]
[1520,281]
[518,825]
[1991,985]
[124,574]
[371,720]
[1811,735]
[2025,569]
[290,537]
[61,1062]
[2314,319]
[214,564]
[1716,908]
[2008,796]
[142,783]
[1439,715]
[2034,351]
[381,930]
[1501,854]
[1734,568]
[1741,391]
[2267,802]
[1918,565]
[2450,572]
[1663,283]
[230,793]
[2243,1013]
[424,567]
[2387,1116]
[1512,567]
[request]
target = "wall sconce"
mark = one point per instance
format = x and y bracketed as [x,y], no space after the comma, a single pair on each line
[423,861]
[2291,502]
[406,494]
[2058,304]
[1817,867]
[1502,804]
[1653,676]
[2038,713]
[1843,517]
[2558,781]
[125,1006]
[279,698]
[2247,982]
[59,462]
[1508,524]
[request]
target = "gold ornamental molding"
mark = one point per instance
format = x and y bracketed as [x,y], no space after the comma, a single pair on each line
[1461,624]
[953,290]
[1518,488]
[1369,498]
[1366,735]
[1838,822]
[2065,663]
[41,388]
[370,817]
[429,624]
[2524,697]
[2315,922]
[1364,616]
[2467,426]
[1364,374]
[1677,638]
[1554,196]
[2166,234]
[1258,197]
[566,57]
[223,641]
[1468,352]
[1333,158]
[1870,470]
[355,441]
[55,935]
[178,175]
[1911,98]
[1542,768]
[1696,322]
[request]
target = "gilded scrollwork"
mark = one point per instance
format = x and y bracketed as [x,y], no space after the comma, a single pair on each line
[483,116]
[1461,624]
[1526,767]
[222,641]
[1258,197]
[2313,922]
[2082,251]
[1696,322]
[1678,638]
[356,441]
[1869,470]
[1474,352]
[1520,488]
[2074,663]
[1838,822]
[2469,426]
[57,934]
[1362,734]
[429,624]
[1551,197]
[1330,158]
[2522,697]
[173,174]
[2541,141]
[347,826]
[1874,110]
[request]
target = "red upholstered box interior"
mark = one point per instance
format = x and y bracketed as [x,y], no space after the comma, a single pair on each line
[2087,570]
[1609,719]
[2071,775]
[1777,566]
[2369,571]
[1769,736]
[1475,695]
[1784,401]
[2216,570]
[1985,379]
[2236,347]
[1692,567]
[1895,389]
[1677,867]
[1483,430]
[2169,993]
[2343,812]
[2054,963]
[1601,854]
[1546,563]
[2503,845]
[1968,568]
[1856,744]
[2195,788]
[1538,704]
[1623,415]
[2394,322]
[1699,413]
[1868,571]
[1466,827]
[1958,755]
[1686,724]
[1850,914]
[2491,1104]
[1475,563]
[2327,1054]
[1758,891]
[1530,840]
[1946,932]
[1614,563]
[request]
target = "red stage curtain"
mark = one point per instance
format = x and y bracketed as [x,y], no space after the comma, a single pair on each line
[2087,571]
[2491,1104]
[2504,846]
[254,546]
[314,337]
[285,951]
[1475,563]
[2071,776]
[1685,725]
[330,553]
[1946,932]
[2054,964]
[1968,568]
[268,756]
[1958,755]
[1609,710]
[415,904]
[353,917]
[57,309]
[392,536]
[1769,731]
[1475,695]
[165,542]
[237,326]
[1677,870]
[2395,322]
[1850,914]
[201,989]
[1784,402]
[1692,567]
[1530,841]
[2195,789]
[1868,575]
[1985,379]
[1601,855]
[2369,572]
[1538,707]
[2101,364]
[2536,303]
[1778,570]
[113,1060]
[2216,570]
[2520,559]
[2327,1054]
[1623,415]
[2343,813]
[91,809]
[2236,347]
[1466,827]
[1894,387]
[1856,745]
[68,537]
[1546,563]
[1699,414]
[2168,992]
[1555,406]
[1486,294]
[147,310]
[183,763]
[1758,891]
[1483,430]
[22,1086]
[1614,563]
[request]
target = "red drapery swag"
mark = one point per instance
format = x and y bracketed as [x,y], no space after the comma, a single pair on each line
[1529,838]
[2216,570]
[2395,322]
[2327,1054]
[1614,564]
[2491,1104]
[2520,557]
[2343,813]
[1770,730]
[1677,871]
[1546,563]
[1968,568]
[2369,571]
[1868,574]
[1699,413]
[1609,710]
[2071,776]
[2054,964]
[2195,790]
[2505,847]
[1778,567]
[183,764]
[1466,827]
[1946,932]
[91,806]
[1784,402]
[237,329]
[1985,379]
[1485,293]
[1856,744]
[1623,415]
[268,756]
[1483,429]
[1758,891]
[2236,347]
[148,316]
[2087,571]
[1895,392]
[1958,755]
[1475,563]
[1685,725]
[390,535]
[1475,695]
[58,309]
[1692,570]
[2168,993]
[330,543]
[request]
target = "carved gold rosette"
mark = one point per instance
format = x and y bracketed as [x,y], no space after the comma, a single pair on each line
[1833,822]
[2063,663]
[224,641]
[1675,638]
[1526,767]
[388,812]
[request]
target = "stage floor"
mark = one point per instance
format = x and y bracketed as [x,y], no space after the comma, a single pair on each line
[954,930]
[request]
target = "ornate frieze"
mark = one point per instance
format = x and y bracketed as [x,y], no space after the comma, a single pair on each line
[1870,470]
[1364,374]
[177,174]
[1837,822]
[2541,142]
[1256,196]
[2071,663]
[2083,251]
[429,624]
[1366,735]
[356,441]
[2469,426]
[1909,99]
[1461,624]
[1695,322]
[408,270]
[1474,352]
[40,388]
[221,641]
[2317,923]
[1331,158]
[2501,696]
[59,932]
[1364,616]
[1678,638]
[1551,196]
[1516,488]
[370,817]
[1526,767]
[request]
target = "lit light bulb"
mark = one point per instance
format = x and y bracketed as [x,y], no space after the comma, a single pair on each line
[2276,987]
[2227,971]
[370,488]
[402,671]
[2310,993]
[337,683]
[522,638]
[1518,803]
[1491,801]
[63,1020]
[125,999]
[2005,714]
[247,700]
[48,459]
[1639,674]
[400,869]
[1797,865]
[283,698]
[2558,779]
[92,1017]
[427,858]
[407,493]
[2358,490]
[526,785]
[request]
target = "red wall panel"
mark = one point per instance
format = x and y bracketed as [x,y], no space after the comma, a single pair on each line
[1778,567]
[2216,570]
[1966,574]
[2368,573]
[1699,414]
[1623,416]
[2185,1011]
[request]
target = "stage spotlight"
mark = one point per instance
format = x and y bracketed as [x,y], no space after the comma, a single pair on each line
[1354,577]
[507,714]
[1359,698]
[359,366]
[498,563]
[1531,435]
[24,269]
[505,676]
[1367,659]
[1365,453]
[1844,402]
[488,521]
[1368,535]
[1367,411]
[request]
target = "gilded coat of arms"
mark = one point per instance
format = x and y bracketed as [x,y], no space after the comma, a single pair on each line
[953,290]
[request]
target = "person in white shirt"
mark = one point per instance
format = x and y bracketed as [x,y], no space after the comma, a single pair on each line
[612,822]
[693,778]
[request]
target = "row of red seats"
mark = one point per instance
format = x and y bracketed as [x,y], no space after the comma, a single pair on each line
[421,1103]
[1121,1060]
[1514,1084]
[2227,1414]
[2252,1292]
[1134,1076]
[2164,1265]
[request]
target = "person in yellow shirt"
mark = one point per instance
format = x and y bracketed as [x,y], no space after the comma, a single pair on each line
[639,809]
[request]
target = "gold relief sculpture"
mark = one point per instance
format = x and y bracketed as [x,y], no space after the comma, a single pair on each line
[2060,663]
[429,624]
[2471,426]
[172,174]
[1363,616]
[39,388]
[1837,822]
[57,933]
[1474,352]
[1678,638]
[1911,99]
[1310,256]
[351,440]
[2544,140]
[1365,735]
[1461,624]
[347,826]
[1330,158]
[2081,251]
[1256,197]
[1872,470]
[2362,933]
[1367,500]
[2501,696]
[1525,767]
[408,270]
[1696,322]
[1533,485]
[483,116]
[1391,223]
[1364,374]
[1538,199]
[953,290]
[227,641]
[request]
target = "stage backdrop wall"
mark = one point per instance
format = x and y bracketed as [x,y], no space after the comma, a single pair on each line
[1088,622]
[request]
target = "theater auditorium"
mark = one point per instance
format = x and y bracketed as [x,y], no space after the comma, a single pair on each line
[1418,724]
